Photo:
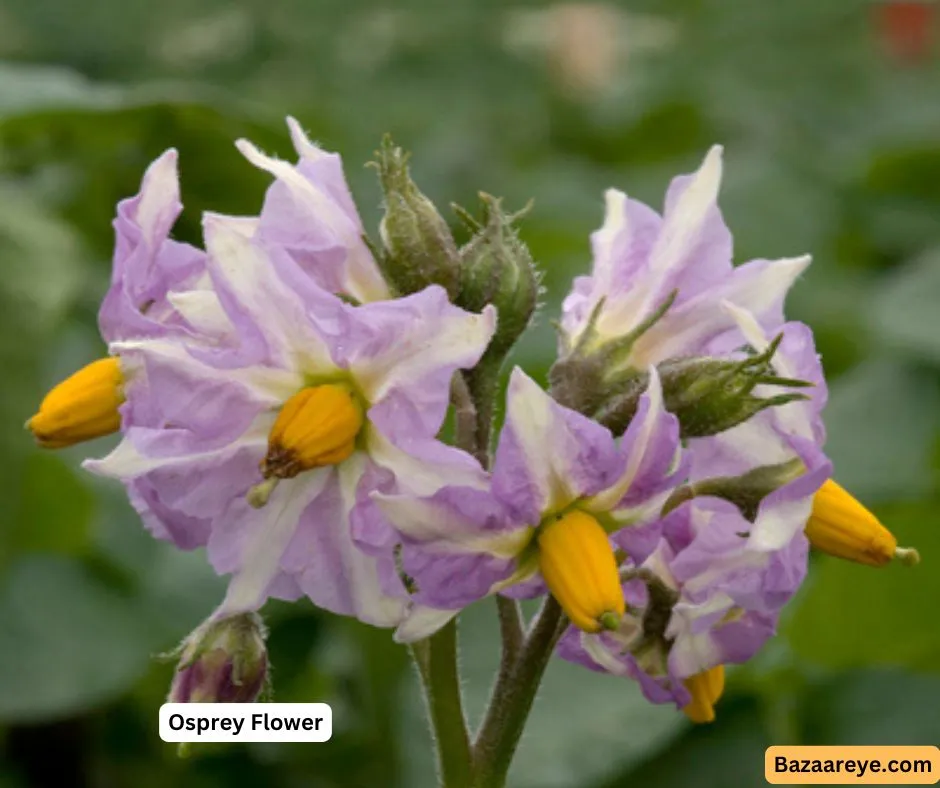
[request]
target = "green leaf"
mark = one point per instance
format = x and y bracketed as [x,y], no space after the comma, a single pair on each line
[882,420]
[42,259]
[67,640]
[83,161]
[906,313]
[30,88]
[851,615]
[728,752]
[886,707]
[55,508]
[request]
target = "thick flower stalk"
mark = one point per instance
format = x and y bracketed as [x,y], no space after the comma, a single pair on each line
[561,488]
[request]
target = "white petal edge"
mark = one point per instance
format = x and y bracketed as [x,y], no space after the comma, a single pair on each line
[776,526]
[693,653]
[615,222]
[126,462]
[683,328]
[262,552]
[267,384]
[599,652]
[159,191]
[268,302]
[459,336]
[529,412]
[420,519]
[302,144]
[319,204]
[421,622]
[372,604]
[605,500]
[688,215]
[417,476]
[202,310]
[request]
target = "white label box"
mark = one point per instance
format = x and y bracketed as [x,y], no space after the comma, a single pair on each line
[245,722]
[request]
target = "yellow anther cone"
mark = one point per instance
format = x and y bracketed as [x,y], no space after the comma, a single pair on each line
[579,568]
[706,689]
[316,427]
[81,407]
[843,527]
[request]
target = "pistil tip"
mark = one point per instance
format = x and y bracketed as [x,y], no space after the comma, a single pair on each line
[609,620]
[259,494]
[907,556]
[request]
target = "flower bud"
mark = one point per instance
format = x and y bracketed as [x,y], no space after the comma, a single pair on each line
[579,568]
[707,395]
[591,373]
[419,249]
[706,688]
[497,268]
[81,407]
[841,526]
[222,662]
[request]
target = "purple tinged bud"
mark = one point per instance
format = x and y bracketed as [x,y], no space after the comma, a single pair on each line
[222,662]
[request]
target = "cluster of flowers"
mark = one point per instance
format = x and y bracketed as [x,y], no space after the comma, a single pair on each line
[280,397]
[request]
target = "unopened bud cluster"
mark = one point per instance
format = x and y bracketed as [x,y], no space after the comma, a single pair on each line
[419,249]
[493,267]
[708,395]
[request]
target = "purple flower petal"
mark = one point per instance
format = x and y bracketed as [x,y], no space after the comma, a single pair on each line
[652,460]
[403,354]
[548,455]
[310,213]
[640,260]
[267,298]
[148,267]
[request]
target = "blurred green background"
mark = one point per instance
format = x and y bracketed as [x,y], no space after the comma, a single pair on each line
[830,116]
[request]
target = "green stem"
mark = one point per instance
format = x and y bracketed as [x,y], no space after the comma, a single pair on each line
[465,418]
[512,698]
[510,627]
[483,385]
[436,659]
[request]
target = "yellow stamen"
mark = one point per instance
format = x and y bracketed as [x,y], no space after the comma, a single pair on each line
[317,426]
[841,526]
[81,407]
[579,568]
[706,689]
